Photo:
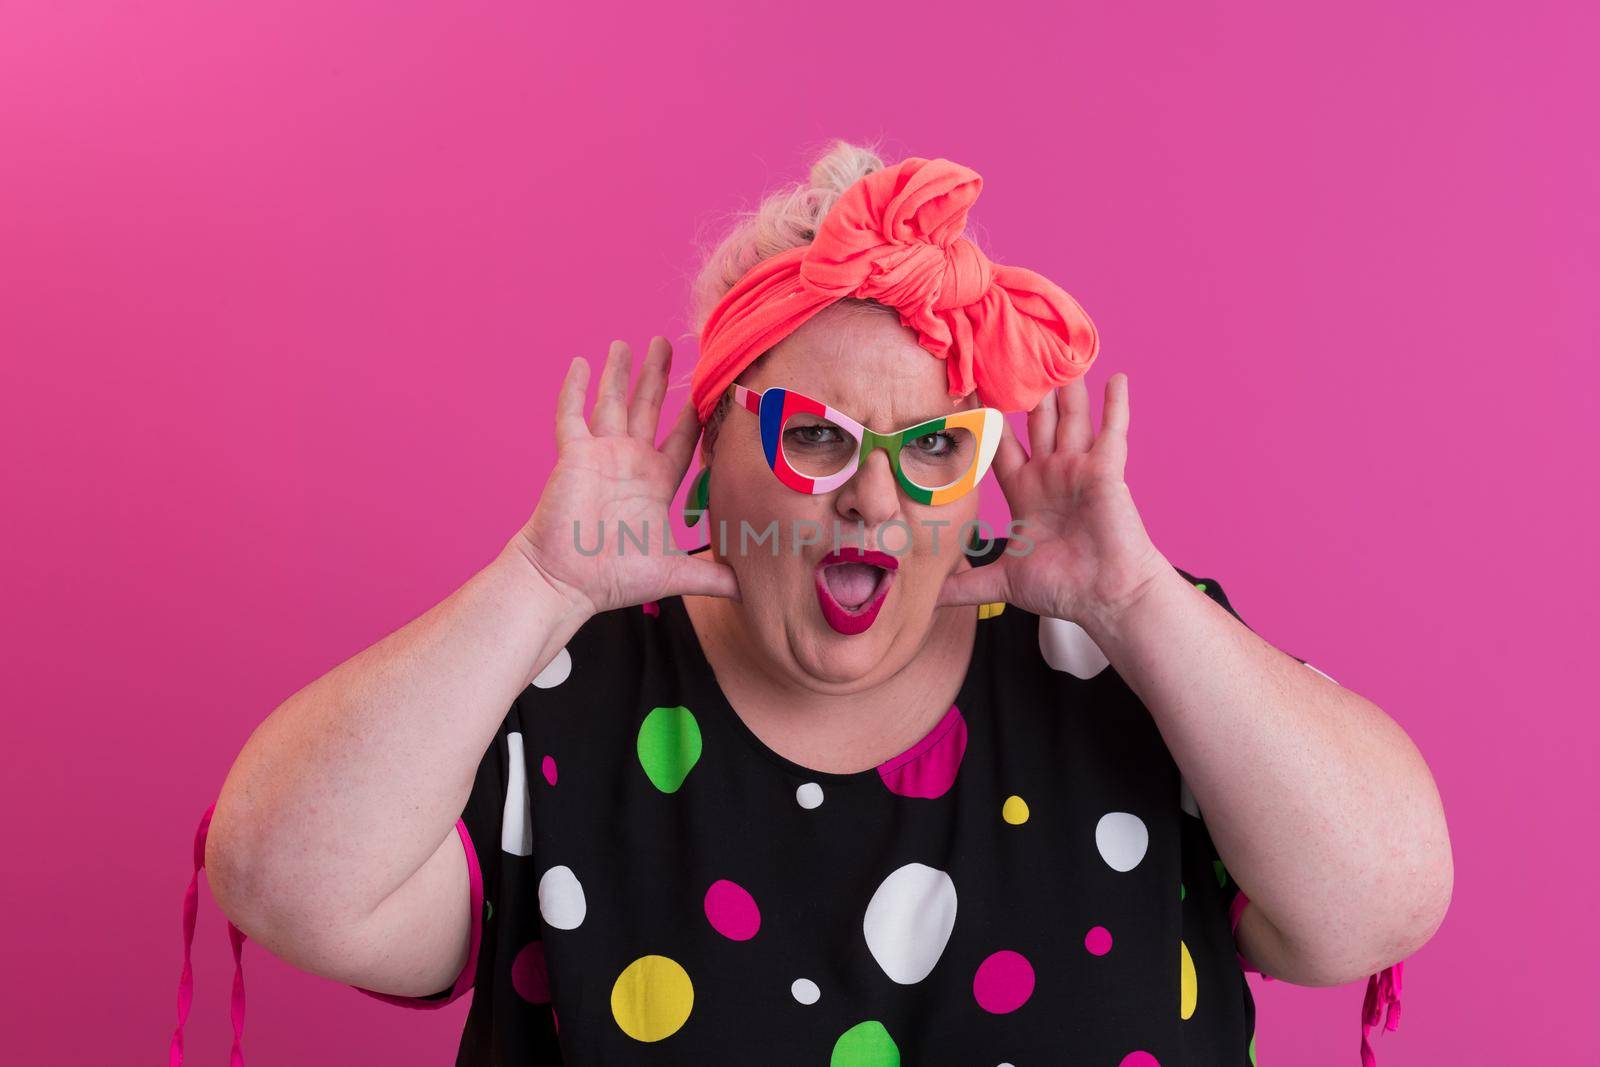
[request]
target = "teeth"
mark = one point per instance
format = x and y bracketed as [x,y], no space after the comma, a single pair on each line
[852,584]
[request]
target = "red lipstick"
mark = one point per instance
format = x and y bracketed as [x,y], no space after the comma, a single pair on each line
[852,584]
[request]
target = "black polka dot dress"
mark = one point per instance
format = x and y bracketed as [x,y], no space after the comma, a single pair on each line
[1030,884]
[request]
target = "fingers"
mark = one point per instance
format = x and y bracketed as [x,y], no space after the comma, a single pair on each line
[610,415]
[1113,439]
[1009,456]
[569,403]
[1042,425]
[977,585]
[679,444]
[644,412]
[700,576]
[1075,430]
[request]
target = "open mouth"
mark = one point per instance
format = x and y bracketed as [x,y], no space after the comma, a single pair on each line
[851,586]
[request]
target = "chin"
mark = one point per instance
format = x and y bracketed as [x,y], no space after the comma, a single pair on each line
[831,658]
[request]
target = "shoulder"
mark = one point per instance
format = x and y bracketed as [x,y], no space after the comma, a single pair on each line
[1010,633]
[602,663]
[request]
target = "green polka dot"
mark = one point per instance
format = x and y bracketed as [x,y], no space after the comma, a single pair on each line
[1222,873]
[1200,586]
[669,746]
[488,910]
[1182,892]
[865,1044]
[1252,1050]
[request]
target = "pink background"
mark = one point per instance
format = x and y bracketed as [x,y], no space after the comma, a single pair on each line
[285,291]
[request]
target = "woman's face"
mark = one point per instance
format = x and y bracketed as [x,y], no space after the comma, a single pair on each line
[804,606]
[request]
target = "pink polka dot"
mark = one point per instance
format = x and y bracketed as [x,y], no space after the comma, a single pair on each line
[549,768]
[1139,1059]
[1098,941]
[530,977]
[732,911]
[928,768]
[554,1020]
[652,609]
[1004,982]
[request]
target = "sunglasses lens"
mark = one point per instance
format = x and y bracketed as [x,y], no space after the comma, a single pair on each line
[816,447]
[940,458]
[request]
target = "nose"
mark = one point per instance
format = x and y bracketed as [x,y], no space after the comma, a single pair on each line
[871,496]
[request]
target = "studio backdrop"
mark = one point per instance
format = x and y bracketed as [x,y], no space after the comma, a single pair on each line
[286,291]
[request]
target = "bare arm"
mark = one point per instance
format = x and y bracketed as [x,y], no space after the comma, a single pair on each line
[353,786]
[1317,801]
[332,843]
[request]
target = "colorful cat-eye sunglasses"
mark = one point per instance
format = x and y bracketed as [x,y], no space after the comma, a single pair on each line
[814,448]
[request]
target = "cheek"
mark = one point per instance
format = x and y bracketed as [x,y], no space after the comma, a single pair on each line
[747,500]
[938,533]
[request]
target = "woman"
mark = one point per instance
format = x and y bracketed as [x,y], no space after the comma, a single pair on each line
[842,788]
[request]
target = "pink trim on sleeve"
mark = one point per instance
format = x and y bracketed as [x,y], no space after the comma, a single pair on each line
[463,980]
[1235,912]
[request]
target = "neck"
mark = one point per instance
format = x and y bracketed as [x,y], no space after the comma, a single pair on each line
[826,726]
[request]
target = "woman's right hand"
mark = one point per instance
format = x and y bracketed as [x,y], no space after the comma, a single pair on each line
[609,473]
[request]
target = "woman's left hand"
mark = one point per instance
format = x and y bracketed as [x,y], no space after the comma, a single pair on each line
[1090,556]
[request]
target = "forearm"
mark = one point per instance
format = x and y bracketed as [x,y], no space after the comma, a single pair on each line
[1318,803]
[344,791]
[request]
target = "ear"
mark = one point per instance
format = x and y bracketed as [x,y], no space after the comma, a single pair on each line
[694,505]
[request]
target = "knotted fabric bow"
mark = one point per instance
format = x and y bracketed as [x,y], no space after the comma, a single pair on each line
[894,236]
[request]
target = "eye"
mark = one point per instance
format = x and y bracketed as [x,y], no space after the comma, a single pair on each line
[934,444]
[821,434]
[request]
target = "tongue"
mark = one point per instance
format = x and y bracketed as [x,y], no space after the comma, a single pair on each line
[851,584]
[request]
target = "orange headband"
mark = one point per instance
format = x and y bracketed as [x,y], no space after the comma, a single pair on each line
[895,237]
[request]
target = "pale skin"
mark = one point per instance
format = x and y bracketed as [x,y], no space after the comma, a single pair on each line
[333,843]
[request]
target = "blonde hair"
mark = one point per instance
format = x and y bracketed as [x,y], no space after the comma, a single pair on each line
[787,218]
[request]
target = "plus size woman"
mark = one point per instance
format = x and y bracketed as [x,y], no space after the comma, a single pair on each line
[860,782]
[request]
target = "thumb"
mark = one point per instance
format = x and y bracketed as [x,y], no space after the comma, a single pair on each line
[699,576]
[975,585]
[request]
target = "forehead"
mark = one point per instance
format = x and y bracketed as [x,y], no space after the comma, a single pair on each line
[863,362]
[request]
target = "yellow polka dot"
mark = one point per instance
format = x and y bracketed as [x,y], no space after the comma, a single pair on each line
[989,611]
[1188,986]
[1014,810]
[651,998]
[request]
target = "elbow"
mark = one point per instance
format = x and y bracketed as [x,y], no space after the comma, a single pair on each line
[266,901]
[1410,918]
[229,871]
[1383,931]
[1422,915]
[246,882]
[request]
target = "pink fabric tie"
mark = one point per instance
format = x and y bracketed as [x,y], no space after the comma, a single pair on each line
[191,906]
[895,236]
[1383,1000]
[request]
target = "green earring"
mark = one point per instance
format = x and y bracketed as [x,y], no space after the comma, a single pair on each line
[694,505]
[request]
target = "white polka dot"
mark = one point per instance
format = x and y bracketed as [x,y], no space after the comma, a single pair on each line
[809,795]
[1122,840]
[805,991]
[561,899]
[909,920]
[1066,646]
[1186,799]
[516,821]
[1323,673]
[555,672]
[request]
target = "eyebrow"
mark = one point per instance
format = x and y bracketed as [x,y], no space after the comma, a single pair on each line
[900,426]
